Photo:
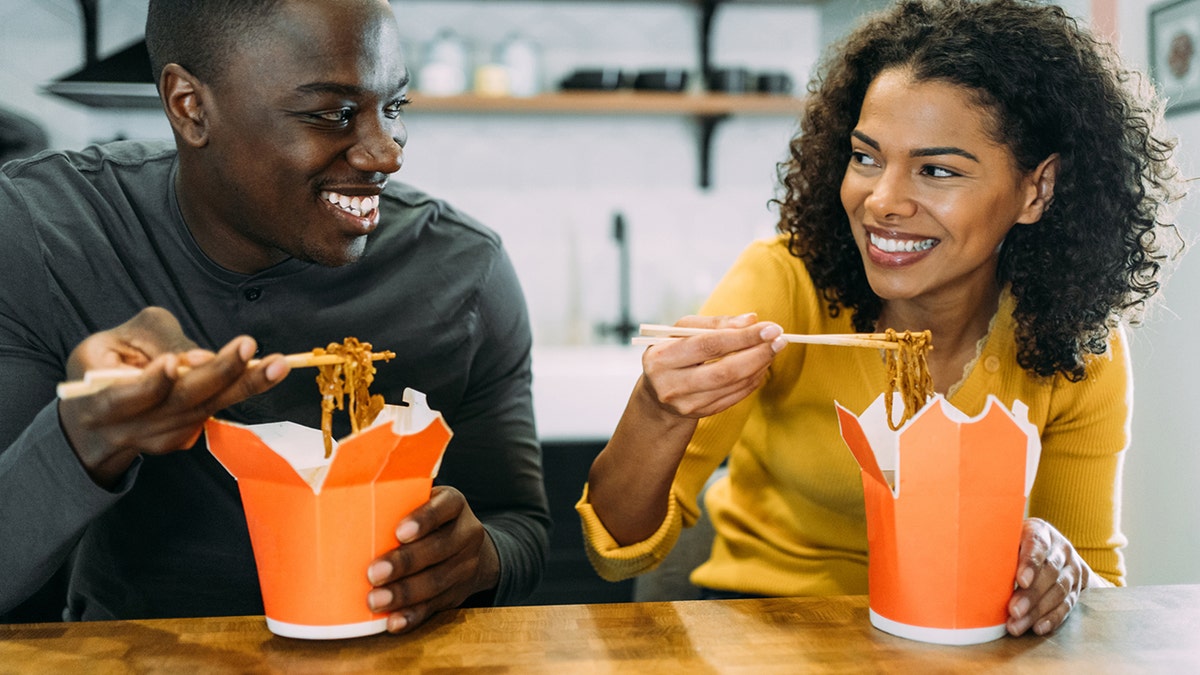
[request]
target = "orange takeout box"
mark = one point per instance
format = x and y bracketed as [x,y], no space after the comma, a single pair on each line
[944,533]
[315,523]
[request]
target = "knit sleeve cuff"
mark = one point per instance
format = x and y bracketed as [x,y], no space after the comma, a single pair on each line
[614,562]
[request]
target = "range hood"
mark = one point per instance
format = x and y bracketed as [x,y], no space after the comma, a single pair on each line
[120,80]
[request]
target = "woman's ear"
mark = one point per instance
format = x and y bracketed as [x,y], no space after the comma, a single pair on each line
[1040,183]
[184,99]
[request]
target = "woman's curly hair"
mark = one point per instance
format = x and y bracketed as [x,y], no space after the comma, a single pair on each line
[1096,256]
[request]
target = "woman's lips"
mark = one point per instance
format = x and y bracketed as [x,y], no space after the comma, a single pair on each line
[889,250]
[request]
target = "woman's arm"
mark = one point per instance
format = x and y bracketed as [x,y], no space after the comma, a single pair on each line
[630,481]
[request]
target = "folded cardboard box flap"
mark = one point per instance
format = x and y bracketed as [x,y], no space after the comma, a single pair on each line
[403,442]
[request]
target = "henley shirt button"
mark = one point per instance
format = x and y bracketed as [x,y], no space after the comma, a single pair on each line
[252,294]
[991,364]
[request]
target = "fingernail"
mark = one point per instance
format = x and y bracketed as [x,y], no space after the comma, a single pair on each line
[770,331]
[396,622]
[1026,577]
[744,319]
[378,599]
[1021,607]
[379,571]
[246,349]
[171,366]
[276,370]
[778,344]
[1042,627]
[407,531]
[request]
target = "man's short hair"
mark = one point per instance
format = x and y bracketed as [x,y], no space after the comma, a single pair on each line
[199,34]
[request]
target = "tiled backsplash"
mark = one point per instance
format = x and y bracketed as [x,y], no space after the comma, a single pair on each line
[550,184]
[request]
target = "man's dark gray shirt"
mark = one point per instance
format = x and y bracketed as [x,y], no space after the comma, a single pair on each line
[88,239]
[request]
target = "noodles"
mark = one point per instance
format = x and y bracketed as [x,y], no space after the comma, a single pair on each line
[908,373]
[350,377]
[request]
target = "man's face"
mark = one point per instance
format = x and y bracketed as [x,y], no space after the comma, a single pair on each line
[303,132]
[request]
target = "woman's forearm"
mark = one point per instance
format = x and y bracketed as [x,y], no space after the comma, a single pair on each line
[629,484]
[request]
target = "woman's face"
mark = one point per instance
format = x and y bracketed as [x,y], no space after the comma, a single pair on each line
[930,194]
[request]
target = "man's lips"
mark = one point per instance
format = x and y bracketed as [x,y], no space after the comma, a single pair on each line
[357,206]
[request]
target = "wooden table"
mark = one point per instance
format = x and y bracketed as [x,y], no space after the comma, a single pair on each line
[1148,629]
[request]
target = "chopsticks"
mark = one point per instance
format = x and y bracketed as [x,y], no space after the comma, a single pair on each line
[652,334]
[96,380]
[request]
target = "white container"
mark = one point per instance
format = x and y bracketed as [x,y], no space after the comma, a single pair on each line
[521,59]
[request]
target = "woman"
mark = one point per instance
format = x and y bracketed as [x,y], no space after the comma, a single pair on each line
[981,170]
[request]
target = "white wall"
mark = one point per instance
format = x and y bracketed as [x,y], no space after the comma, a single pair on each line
[550,185]
[1162,471]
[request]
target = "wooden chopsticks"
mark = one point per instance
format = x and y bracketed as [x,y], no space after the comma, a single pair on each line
[95,380]
[652,334]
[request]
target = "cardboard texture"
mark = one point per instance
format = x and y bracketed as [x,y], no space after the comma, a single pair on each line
[944,534]
[315,523]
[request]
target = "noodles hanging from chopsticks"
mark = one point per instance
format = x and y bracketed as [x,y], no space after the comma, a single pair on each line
[908,373]
[351,377]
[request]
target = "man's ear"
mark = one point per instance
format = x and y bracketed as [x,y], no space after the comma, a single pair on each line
[185,99]
[1040,184]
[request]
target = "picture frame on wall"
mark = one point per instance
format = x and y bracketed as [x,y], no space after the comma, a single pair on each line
[1175,52]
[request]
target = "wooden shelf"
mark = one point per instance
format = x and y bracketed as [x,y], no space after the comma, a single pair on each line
[612,103]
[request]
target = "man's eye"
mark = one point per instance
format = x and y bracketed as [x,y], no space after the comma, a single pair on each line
[339,116]
[393,109]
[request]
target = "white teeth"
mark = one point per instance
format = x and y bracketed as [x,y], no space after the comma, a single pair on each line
[902,245]
[357,206]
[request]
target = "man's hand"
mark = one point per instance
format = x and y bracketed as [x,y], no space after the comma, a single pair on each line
[445,556]
[163,409]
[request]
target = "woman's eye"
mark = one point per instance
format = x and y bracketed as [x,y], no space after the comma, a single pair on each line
[861,158]
[939,172]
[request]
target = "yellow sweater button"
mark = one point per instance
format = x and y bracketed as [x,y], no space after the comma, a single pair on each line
[991,364]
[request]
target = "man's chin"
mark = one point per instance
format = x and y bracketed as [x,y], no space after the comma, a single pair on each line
[337,257]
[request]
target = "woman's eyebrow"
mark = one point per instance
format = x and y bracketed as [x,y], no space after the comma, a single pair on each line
[920,152]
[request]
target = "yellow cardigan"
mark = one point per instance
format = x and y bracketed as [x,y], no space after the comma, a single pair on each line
[789,517]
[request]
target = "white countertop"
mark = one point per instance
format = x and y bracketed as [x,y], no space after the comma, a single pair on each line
[579,393]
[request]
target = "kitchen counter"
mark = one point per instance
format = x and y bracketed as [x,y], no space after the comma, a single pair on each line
[579,393]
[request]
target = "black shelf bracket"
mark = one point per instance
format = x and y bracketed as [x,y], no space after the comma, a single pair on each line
[707,124]
[91,20]
[707,128]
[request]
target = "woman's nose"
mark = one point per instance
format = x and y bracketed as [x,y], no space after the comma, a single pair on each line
[891,196]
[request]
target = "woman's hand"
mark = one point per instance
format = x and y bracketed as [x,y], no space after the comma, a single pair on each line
[682,380]
[1050,576]
[705,374]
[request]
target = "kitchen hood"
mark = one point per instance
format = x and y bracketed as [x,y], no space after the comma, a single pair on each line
[120,80]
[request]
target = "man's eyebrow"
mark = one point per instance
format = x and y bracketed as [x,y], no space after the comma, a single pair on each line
[920,152]
[341,89]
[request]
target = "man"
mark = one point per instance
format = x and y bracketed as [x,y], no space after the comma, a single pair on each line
[272,217]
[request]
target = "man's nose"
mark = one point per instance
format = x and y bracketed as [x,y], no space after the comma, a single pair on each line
[380,147]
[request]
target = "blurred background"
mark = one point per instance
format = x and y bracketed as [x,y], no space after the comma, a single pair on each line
[619,214]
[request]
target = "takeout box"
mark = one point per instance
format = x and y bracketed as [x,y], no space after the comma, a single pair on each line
[945,502]
[315,523]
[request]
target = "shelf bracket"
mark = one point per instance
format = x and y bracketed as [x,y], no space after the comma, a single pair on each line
[91,19]
[708,10]
[708,126]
